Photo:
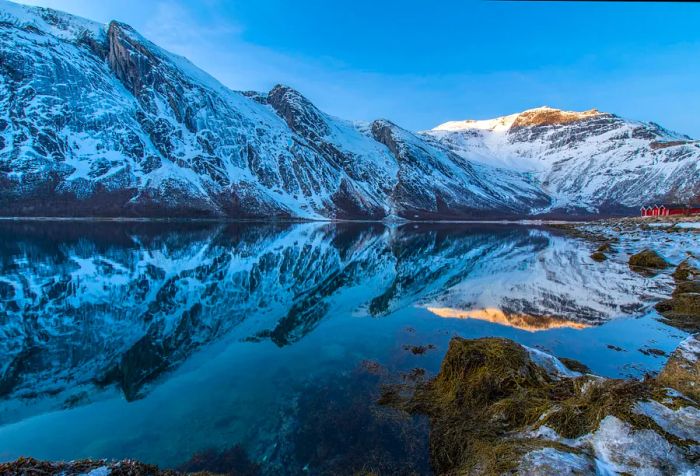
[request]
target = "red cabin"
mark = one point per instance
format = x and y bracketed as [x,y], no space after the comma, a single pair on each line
[669,210]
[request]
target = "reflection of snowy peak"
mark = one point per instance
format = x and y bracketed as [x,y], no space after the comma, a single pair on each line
[119,305]
[97,120]
[590,160]
[553,285]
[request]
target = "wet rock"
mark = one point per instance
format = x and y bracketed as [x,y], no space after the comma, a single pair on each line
[615,348]
[648,259]
[605,247]
[650,351]
[575,365]
[686,272]
[682,371]
[598,256]
[682,310]
[33,467]
[418,349]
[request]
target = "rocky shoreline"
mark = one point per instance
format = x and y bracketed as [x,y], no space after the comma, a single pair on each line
[497,407]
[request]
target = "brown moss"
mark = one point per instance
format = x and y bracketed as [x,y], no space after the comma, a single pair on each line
[598,256]
[685,272]
[605,247]
[648,259]
[682,310]
[686,287]
[592,400]
[575,365]
[682,372]
[485,389]
[489,394]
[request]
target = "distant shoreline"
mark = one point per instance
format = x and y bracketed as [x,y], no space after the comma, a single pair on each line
[288,220]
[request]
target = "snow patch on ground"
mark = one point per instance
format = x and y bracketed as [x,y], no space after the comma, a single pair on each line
[551,364]
[683,423]
[101,471]
[690,349]
[549,461]
[689,225]
[619,448]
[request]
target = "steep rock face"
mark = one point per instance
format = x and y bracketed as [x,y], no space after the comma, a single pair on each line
[368,170]
[435,183]
[97,120]
[100,121]
[591,161]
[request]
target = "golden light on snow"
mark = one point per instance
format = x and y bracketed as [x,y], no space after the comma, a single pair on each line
[525,322]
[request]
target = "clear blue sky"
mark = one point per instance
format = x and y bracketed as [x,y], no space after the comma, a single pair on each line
[423,63]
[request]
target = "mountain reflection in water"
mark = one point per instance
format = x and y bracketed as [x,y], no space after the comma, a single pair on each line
[519,321]
[87,308]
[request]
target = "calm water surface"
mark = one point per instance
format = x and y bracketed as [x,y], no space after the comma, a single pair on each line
[271,342]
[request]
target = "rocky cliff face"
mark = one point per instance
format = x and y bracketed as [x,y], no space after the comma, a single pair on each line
[590,161]
[97,120]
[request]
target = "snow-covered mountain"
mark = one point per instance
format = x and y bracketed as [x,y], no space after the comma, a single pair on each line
[97,120]
[591,160]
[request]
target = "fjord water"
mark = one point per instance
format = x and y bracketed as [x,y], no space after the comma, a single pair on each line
[158,341]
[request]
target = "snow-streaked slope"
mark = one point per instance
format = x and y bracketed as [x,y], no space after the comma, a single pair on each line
[97,120]
[436,183]
[590,160]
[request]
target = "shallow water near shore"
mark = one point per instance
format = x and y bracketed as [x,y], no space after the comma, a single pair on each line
[157,341]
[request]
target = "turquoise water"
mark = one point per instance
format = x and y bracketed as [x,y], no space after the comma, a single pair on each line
[271,342]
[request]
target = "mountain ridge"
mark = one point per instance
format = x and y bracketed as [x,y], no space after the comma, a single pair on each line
[96,120]
[591,160]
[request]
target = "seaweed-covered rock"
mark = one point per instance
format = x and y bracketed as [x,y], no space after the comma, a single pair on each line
[575,365]
[682,310]
[648,259]
[33,467]
[495,409]
[598,256]
[682,371]
[686,272]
